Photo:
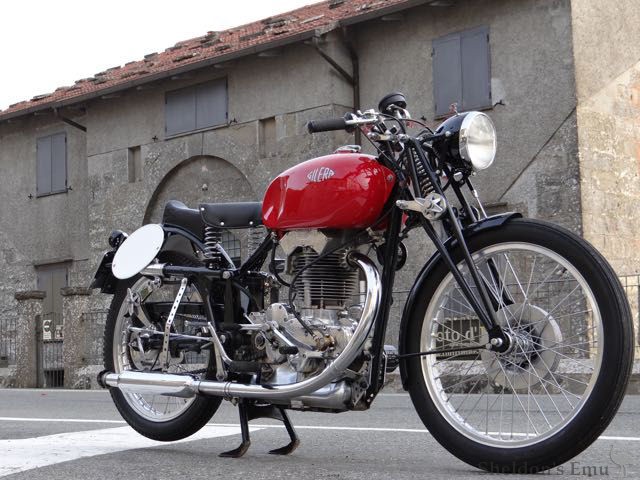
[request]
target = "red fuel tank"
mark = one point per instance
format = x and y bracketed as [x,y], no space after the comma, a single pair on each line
[339,191]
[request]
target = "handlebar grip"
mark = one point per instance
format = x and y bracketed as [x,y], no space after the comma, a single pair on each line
[328,125]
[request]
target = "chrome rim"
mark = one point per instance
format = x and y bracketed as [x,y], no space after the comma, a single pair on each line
[156,408]
[531,392]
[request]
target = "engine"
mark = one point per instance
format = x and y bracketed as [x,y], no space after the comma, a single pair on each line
[302,337]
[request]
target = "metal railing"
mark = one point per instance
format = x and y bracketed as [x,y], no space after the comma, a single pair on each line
[631,285]
[7,341]
[93,326]
[50,336]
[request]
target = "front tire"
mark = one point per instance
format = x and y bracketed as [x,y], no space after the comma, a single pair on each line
[559,386]
[157,417]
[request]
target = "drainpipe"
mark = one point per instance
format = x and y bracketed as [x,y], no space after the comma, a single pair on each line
[352,78]
[355,68]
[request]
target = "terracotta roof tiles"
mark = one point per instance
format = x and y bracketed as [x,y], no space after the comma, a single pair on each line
[213,47]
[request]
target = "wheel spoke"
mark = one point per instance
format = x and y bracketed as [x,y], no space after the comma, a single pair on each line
[554,324]
[155,408]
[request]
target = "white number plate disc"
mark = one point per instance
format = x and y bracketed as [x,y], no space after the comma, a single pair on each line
[137,251]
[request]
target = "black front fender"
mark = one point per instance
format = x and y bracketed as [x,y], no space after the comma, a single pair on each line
[472,230]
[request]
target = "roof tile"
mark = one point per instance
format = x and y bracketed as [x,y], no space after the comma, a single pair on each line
[321,16]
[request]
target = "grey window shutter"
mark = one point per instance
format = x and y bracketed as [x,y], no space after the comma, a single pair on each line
[59,280]
[50,279]
[45,283]
[58,162]
[180,111]
[476,69]
[447,75]
[211,104]
[43,167]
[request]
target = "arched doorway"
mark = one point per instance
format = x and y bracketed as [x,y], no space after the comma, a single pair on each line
[201,179]
[204,179]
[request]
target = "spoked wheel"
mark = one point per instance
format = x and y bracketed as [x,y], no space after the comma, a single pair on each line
[126,347]
[560,382]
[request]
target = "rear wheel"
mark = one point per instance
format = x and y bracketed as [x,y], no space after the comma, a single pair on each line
[158,417]
[558,386]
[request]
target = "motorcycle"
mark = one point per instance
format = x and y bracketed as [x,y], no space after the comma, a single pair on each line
[516,339]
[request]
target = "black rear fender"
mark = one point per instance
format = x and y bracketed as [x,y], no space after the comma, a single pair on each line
[104,279]
[177,240]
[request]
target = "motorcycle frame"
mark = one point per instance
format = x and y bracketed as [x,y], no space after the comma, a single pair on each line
[458,234]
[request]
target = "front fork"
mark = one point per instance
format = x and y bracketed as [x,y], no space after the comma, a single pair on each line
[483,304]
[485,307]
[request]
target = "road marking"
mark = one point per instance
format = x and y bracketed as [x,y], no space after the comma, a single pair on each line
[29,453]
[260,426]
[52,390]
[324,427]
[69,390]
[59,420]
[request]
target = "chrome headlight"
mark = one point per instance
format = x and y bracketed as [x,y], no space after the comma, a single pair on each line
[478,140]
[469,141]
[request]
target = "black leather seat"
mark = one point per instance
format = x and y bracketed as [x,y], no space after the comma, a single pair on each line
[221,215]
[232,215]
[178,214]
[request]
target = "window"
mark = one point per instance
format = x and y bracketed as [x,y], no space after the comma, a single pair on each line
[51,153]
[462,71]
[134,164]
[267,138]
[231,245]
[196,107]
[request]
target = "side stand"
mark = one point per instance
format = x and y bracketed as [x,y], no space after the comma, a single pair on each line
[250,411]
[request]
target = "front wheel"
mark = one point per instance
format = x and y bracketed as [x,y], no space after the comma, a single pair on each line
[557,387]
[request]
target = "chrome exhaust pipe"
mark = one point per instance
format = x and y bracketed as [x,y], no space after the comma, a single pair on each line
[334,396]
[184,386]
[152,383]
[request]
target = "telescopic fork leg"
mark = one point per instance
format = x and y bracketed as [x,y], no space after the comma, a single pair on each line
[248,412]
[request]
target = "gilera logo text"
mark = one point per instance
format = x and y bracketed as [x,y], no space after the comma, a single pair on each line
[320,174]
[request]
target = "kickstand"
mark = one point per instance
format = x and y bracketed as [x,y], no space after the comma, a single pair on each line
[250,411]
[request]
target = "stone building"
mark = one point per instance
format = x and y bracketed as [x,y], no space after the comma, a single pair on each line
[216,117]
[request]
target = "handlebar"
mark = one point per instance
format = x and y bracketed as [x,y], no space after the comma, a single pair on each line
[328,125]
[348,122]
[353,120]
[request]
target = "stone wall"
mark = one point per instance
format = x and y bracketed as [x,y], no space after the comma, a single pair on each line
[536,168]
[531,70]
[608,92]
[48,229]
[541,128]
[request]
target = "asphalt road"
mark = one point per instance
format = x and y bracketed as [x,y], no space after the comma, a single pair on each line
[56,434]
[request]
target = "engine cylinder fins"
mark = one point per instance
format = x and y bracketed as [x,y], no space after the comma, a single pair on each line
[329,282]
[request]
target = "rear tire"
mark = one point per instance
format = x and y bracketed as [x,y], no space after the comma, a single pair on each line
[576,382]
[189,417]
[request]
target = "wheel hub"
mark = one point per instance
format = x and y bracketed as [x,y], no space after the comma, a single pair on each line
[531,356]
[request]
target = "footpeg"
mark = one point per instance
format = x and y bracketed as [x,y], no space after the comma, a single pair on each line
[249,411]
